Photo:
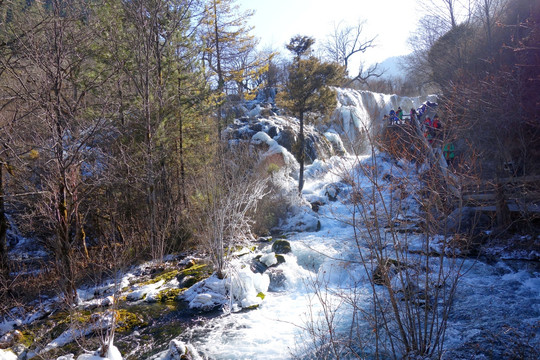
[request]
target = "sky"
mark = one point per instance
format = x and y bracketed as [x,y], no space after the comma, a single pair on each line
[276,21]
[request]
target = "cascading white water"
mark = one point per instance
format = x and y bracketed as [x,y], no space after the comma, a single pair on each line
[288,318]
[360,113]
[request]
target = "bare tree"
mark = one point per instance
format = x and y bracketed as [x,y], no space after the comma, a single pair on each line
[403,310]
[449,13]
[51,91]
[347,41]
[488,13]
[437,17]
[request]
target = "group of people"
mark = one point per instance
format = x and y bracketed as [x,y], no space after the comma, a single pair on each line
[432,128]
[394,117]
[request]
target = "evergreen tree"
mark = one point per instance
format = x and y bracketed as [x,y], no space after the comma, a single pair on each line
[228,50]
[160,85]
[308,89]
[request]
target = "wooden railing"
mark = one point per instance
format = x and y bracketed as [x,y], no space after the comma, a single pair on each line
[505,197]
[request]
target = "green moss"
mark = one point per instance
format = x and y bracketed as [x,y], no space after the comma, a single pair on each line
[126,321]
[168,295]
[281,247]
[78,317]
[191,276]
[165,276]
[201,271]
[27,339]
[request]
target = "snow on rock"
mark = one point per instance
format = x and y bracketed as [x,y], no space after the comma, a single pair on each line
[274,148]
[98,322]
[95,303]
[301,219]
[256,111]
[241,286]
[178,350]
[7,355]
[247,285]
[336,142]
[112,354]
[66,357]
[269,259]
[207,294]
[149,290]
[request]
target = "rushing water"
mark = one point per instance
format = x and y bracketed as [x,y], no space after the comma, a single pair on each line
[497,305]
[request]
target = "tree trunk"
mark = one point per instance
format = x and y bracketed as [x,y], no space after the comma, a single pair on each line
[180,149]
[221,80]
[503,213]
[301,156]
[4,260]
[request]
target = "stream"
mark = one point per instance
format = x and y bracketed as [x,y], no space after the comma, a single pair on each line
[496,312]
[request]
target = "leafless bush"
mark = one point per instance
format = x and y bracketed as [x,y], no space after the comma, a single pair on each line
[410,266]
[225,198]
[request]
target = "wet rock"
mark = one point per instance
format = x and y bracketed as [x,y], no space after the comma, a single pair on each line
[280,259]
[258,267]
[180,351]
[316,205]
[187,281]
[281,247]
[277,279]
[272,131]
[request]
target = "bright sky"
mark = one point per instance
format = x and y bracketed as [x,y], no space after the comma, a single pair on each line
[276,21]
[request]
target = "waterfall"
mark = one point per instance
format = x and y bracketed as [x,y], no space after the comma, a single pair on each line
[359,114]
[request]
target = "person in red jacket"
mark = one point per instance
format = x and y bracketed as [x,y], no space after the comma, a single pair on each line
[436,122]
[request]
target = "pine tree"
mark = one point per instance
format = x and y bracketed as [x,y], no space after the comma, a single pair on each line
[308,88]
[229,50]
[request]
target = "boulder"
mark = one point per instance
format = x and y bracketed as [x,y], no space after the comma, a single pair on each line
[180,351]
[257,266]
[281,247]
[277,279]
[287,138]
[272,131]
